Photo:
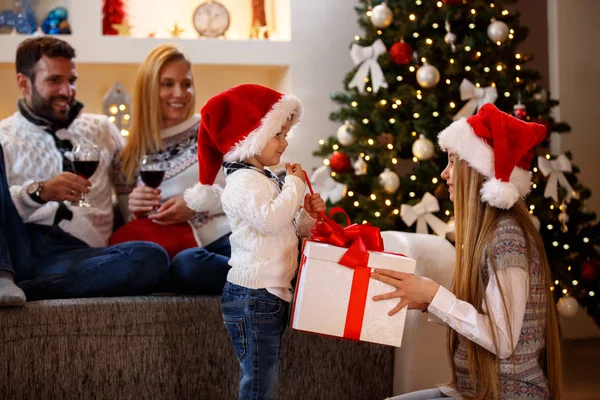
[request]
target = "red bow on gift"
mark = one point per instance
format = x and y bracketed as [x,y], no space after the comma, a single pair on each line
[358,238]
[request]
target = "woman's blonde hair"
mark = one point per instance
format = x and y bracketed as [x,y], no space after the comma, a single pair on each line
[144,135]
[475,225]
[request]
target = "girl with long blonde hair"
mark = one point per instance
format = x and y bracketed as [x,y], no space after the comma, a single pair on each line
[503,335]
[164,125]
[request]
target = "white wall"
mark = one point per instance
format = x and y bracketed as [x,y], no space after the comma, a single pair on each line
[575,81]
[322,32]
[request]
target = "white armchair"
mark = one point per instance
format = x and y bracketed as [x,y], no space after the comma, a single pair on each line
[422,361]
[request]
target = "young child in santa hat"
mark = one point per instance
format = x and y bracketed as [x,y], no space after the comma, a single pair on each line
[244,129]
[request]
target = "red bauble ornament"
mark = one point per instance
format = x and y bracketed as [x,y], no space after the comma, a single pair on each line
[589,271]
[339,162]
[401,53]
[451,2]
[520,111]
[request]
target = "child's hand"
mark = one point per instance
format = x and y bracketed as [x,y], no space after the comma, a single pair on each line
[296,170]
[314,205]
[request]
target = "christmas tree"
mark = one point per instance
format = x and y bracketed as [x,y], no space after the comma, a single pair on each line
[419,65]
[113,12]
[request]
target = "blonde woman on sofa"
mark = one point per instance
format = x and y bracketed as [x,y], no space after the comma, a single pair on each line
[504,339]
[164,125]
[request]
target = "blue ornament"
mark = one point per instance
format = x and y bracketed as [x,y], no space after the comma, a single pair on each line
[22,18]
[46,26]
[54,31]
[29,15]
[50,24]
[59,13]
[8,18]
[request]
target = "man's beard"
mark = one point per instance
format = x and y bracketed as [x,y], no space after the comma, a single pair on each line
[43,107]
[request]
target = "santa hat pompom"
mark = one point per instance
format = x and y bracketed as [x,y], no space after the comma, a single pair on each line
[500,194]
[203,198]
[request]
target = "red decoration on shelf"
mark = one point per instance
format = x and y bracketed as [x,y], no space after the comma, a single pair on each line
[113,13]
[451,2]
[401,53]
[339,162]
[589,271]
[259,16]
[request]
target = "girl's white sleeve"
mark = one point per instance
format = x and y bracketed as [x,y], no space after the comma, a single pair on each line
[464,318]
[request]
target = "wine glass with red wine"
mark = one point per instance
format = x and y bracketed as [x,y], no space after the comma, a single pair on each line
[152,169]
[86,157]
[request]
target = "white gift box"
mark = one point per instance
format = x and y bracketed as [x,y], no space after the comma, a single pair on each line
[323,293]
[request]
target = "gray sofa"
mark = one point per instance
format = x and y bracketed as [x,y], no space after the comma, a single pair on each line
[166,347]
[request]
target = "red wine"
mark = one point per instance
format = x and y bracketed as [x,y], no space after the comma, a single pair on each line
[85,168]
[152,178]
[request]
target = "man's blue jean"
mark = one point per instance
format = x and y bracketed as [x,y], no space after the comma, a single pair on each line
[201,270]
[50,263]
[256,320]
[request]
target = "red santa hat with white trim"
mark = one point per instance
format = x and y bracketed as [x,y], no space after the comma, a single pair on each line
[236,125]
[498,146]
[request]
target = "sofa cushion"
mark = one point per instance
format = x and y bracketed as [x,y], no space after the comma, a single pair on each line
[166,347]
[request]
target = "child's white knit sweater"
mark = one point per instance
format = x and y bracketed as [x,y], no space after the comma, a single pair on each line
[264,241]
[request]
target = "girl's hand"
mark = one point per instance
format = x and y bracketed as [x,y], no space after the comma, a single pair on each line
[296,170]
[314,205]
[414,291]
[173,211]
[143,199]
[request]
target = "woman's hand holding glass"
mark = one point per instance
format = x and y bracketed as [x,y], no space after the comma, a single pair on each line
[143,200]
[172,211]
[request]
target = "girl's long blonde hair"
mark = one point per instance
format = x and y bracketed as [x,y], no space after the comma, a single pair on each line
[144,136]
[475,225]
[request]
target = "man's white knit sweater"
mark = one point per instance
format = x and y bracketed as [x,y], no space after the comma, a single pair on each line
[31,155]
[264,241]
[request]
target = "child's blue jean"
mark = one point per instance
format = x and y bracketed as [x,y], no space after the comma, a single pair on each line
[256,320]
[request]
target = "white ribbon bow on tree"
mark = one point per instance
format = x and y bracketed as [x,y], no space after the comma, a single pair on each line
[367,57]
[477,97]
[554,171]
[422,213]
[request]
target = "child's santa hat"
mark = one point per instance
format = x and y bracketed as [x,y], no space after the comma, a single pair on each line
[235,125]
[498,146]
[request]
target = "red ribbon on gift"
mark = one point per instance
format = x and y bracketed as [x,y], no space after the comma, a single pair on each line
[359,239]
